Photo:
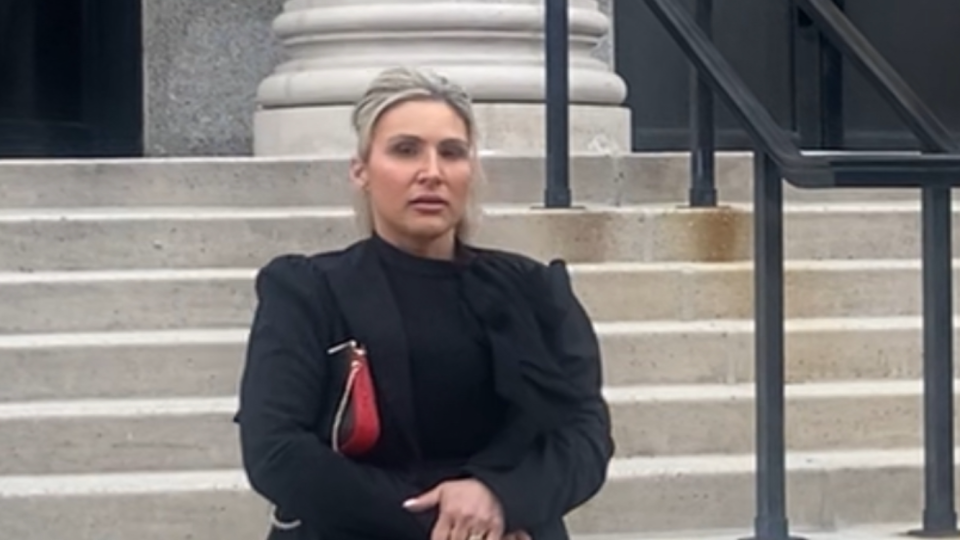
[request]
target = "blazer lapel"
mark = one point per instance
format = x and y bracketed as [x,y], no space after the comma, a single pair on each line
[370,311]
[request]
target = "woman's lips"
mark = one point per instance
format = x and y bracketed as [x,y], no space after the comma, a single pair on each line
[428,203]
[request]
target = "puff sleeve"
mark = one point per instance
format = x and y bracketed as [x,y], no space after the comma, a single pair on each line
[567,465]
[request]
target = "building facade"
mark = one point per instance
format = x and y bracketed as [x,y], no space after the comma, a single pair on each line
[182,78]
[179,77]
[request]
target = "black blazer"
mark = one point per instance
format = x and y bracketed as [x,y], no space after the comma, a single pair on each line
[551,455]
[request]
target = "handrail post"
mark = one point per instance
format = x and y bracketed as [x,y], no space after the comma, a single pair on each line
[556,44]
[939,514]
[703,190]
[771,519]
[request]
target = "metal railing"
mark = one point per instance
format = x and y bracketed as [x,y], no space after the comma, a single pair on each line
[703,188]
[557,38]
[935,171]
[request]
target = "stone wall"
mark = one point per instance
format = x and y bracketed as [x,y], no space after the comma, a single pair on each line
[203,62]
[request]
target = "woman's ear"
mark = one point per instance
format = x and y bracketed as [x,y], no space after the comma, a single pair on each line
[358,173]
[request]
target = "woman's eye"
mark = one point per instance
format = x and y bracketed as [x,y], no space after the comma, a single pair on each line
[405,149]
[454,153]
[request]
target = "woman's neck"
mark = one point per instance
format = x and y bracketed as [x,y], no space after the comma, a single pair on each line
[440,248]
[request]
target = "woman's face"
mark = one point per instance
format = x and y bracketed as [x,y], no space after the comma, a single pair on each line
[418,172]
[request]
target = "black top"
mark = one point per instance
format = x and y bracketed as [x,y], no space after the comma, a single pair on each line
[457,410]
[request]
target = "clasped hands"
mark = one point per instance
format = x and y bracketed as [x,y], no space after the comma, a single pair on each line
[468,510]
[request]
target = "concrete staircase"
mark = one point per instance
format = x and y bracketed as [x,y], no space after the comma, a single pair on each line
[126,292]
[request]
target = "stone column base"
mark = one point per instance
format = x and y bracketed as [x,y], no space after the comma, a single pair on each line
[515,128]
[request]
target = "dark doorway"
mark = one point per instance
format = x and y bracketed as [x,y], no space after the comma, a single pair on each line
[70,78]
[918,37]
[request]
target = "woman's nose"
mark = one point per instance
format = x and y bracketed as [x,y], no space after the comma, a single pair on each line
[430,167]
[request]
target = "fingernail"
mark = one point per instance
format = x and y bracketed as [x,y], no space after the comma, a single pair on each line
[409,502]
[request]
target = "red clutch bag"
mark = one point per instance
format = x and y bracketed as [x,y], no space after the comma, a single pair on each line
[356,420]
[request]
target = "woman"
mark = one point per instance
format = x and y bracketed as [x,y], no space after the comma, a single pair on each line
[482,417]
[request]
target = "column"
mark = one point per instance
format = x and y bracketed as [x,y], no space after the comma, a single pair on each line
[492,47]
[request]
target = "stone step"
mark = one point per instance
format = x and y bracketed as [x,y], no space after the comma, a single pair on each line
[143,364]
[825,490]
[722,351]
[75,437]
[872,531]
[661,177]
[206,363]
[719,419]
[224,298]
[74,239]
[202,505]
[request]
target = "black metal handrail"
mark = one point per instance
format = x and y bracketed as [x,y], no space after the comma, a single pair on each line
[557,51]
[935,171]
[703,181]
[939,516]
[778,157]
[810,171]
[854,45]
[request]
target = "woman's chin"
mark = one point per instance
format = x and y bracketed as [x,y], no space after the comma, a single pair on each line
[430,226]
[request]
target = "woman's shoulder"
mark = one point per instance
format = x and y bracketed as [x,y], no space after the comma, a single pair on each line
[307,266]
[520,263]
[520,279]
[295,266]
[299,273]
[537,280]
[515,259]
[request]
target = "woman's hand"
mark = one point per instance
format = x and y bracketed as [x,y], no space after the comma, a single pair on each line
[468,510]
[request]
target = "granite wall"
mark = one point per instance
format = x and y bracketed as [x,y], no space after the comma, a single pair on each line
[203,61]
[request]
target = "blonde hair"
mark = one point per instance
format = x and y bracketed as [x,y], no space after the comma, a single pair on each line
[399,85]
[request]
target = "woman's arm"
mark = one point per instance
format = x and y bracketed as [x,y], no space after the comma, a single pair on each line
[281,398]
[568,466]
